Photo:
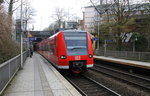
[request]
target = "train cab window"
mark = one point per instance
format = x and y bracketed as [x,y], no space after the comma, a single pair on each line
[76,43]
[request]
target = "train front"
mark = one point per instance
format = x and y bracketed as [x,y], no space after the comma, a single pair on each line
[79,51]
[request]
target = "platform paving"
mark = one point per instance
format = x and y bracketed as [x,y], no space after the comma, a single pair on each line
[39,78]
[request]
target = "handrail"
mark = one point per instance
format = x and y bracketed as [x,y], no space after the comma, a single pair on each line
[8,70]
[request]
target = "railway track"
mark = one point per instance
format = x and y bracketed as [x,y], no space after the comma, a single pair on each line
[135,80]
[89,87]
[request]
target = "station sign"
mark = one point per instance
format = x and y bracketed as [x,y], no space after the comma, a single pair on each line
[94,39]
[32,38]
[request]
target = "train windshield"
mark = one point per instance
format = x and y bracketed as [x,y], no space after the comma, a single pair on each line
[76,43]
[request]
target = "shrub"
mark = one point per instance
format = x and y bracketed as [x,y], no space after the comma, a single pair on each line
[8,47]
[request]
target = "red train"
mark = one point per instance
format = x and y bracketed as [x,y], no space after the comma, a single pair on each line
[69,49]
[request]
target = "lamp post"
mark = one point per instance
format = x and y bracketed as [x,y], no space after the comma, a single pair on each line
[100,18]
[21,43]
[105,47]
[98,38]
[134,44]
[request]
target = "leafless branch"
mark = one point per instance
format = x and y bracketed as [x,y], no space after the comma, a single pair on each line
[14,1]
[16,8]
[6,1]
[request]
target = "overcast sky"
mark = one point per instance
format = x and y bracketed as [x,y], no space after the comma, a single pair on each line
[45,9]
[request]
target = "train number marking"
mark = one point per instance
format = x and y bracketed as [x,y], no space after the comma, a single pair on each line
[77,57]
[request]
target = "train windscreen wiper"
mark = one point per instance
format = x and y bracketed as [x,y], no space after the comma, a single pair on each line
[76,47]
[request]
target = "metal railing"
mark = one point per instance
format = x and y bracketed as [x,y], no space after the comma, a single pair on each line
[8,70]
[140,56]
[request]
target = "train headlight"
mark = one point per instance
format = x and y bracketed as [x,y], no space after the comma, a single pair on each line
[90,55]
[63,57]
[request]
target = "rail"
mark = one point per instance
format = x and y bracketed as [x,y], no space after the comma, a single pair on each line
[89,87]
[141,56]
[136,80]
[8,70]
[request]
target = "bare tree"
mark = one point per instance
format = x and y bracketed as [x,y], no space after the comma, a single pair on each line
[28,13]
[59,16]
[121,13]
[119,10]
[6,42]
[11,7]
[1,1]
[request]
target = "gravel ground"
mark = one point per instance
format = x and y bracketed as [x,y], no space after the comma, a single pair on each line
[121,88]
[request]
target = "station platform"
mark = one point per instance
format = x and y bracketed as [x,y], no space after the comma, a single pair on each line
[138,64]
[39,78]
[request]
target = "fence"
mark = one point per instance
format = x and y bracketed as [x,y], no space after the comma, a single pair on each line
[141,56]
[8,69]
